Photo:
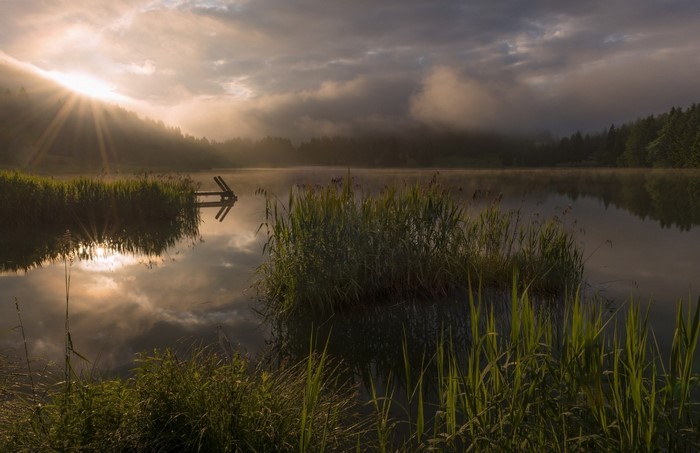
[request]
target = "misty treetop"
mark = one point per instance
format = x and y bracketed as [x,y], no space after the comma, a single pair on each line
[56,128]
[671,139]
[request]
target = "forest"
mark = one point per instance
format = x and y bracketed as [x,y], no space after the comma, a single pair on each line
[671,139]
[43,125]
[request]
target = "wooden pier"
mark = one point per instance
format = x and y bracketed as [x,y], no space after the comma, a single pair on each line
[226,193]
[226,198]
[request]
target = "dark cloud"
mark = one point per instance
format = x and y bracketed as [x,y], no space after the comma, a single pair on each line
[295,68]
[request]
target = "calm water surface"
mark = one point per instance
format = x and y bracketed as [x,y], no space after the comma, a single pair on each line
[639,229]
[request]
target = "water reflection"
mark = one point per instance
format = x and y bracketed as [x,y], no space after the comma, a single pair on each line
[22,249]
[670,198]
[149,286]
[382,340]
[134,286]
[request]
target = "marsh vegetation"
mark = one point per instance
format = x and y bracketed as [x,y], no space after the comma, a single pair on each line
[570,385]
[377,360]
[334,247]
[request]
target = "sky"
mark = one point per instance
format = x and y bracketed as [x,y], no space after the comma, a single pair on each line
[300,68]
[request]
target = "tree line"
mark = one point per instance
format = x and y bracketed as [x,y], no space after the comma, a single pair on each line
[671,139]
[63,128]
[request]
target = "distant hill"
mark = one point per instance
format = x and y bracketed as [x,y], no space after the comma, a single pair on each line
[44,125]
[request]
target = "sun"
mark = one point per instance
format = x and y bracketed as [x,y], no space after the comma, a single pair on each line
[87,85]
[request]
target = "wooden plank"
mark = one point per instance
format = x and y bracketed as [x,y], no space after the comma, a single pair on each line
[226,193]
[225,186]
[223,212]
[217,180]
[210,193]
[216,204]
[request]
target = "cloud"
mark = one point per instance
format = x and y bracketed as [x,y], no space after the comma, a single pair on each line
[448,100]
[304,67]
[148,67]
[332,108]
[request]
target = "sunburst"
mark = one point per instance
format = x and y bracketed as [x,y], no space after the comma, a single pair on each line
[87,94]
[86,85]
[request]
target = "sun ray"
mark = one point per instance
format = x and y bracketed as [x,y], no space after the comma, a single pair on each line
[73,122]
[49,135]
[104,138]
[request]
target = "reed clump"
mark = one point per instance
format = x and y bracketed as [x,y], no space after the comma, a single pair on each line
[204,402]
[335,247]
[28,200]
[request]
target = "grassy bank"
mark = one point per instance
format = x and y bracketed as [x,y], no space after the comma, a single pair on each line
[334,247]
[27,200]
[204,402]
[43,219]
[579,383]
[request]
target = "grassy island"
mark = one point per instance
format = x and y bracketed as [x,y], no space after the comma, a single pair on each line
[335,247]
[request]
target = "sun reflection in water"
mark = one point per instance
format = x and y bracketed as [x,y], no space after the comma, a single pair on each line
[101,258]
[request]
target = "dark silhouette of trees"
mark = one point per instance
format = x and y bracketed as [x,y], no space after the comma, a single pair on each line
[51,125]
[671,139]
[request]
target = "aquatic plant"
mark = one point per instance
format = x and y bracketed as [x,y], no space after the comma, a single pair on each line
[576,385]
[335,247]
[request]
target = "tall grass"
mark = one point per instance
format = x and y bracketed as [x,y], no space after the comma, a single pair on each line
[335,247]
[576,385]
[204,402]
[585,382]
[28,200]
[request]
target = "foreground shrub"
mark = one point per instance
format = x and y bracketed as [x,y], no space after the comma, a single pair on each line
[333,247]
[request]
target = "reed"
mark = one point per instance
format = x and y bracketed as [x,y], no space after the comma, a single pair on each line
[335,247]
[28,200]
[142,216]
[576,385]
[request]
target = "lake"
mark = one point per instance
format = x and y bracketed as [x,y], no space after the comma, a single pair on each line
[639,229]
